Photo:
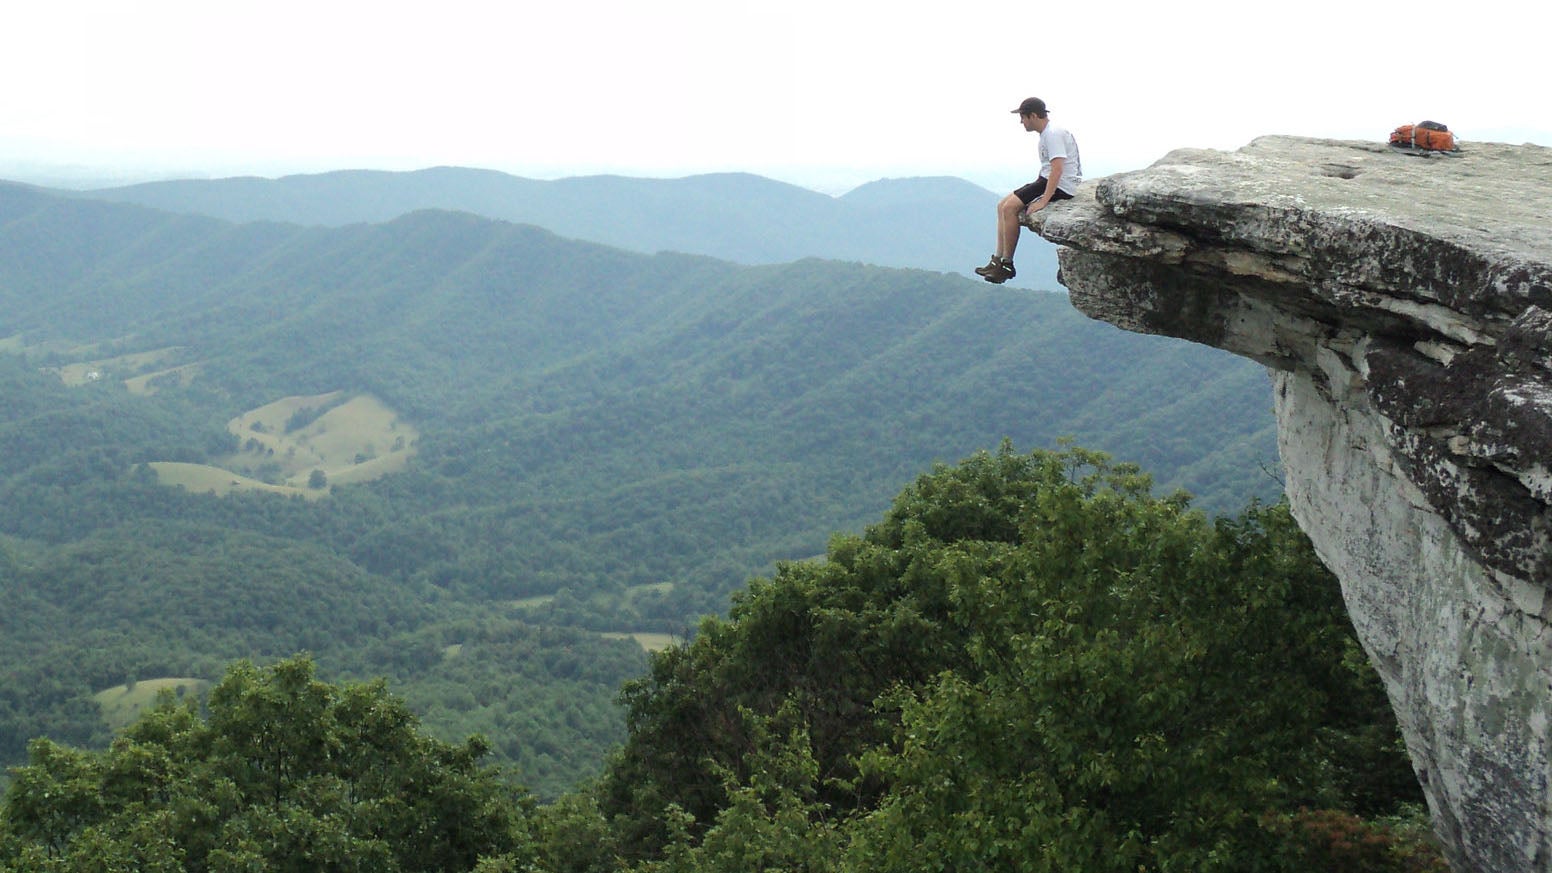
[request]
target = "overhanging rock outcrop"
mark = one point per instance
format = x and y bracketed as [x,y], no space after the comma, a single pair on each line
[1404,304]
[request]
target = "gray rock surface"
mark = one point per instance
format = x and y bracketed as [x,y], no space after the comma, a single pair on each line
[1404,304]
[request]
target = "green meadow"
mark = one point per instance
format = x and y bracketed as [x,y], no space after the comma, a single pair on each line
[350,438]
[149,383]
[139,367]
[205,479]
[282,445]
[142,373]
[122,704]
[649,642]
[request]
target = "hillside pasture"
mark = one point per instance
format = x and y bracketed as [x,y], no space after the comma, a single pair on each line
[532,602]
[370,469]
[138,370]
[205,479]
[18,344]
[649,642]
[636,591]
[351,439]
[359,429]
[267,424]
[121,705]
[123,367]
[149,383]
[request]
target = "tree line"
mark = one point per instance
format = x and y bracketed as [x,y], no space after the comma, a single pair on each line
[617,453]
[1032,662]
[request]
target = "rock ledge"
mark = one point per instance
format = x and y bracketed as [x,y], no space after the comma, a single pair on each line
[1404,304]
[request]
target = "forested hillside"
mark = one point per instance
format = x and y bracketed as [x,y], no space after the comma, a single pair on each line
[1031,662]
[929,223]
[606,444]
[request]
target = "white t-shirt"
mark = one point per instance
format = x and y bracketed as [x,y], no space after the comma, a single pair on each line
[1056,142]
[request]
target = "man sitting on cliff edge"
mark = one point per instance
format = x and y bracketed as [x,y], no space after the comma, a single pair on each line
[1060,173]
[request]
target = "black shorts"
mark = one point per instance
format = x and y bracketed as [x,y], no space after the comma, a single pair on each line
[1031,192]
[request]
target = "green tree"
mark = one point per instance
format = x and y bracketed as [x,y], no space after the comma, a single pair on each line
[773,819]
[1032,663]
[1148,688]
[286,773]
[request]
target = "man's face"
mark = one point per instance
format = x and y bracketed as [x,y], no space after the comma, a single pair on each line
[1030,120]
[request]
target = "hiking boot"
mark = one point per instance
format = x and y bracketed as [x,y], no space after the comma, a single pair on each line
[997,270]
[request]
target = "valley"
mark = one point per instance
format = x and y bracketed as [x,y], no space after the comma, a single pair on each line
[384,443]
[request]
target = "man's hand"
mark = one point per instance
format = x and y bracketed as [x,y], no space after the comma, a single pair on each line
[1057,165]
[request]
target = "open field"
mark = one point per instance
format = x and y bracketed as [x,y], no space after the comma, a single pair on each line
[123,367]
[16,345]
[636,591]
[531,602]
[220,482]
[150,383]
[284,444]
[351,439]
[122,704]
[272,417]
[649,642]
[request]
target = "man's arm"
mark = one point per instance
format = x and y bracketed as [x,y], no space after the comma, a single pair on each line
[1050,185]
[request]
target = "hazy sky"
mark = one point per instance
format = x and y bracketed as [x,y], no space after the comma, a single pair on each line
[824,94]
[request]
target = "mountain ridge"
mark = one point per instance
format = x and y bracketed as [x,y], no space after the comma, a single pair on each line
[936,223]
[610,441]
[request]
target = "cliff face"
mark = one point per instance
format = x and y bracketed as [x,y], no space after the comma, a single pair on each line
[1404,304]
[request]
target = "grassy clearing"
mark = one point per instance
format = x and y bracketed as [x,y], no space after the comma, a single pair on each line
[124,367]
[285,443]
[531,602]
[76,375]
[649,642]
[122,704]
[63,348]
[138,370]
[349,438]
[202,478]
[271,418]
[149,383]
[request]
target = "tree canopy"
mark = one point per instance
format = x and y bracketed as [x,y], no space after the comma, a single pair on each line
[1032,663]
[613,453]
[283,773]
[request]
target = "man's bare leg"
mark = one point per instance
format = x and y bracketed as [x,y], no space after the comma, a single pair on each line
[1008,211]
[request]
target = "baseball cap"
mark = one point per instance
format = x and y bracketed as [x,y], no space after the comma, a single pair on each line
[1031,106]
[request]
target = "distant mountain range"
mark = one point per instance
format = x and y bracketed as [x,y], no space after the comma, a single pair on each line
[409,301]
[942,224]
[607,443]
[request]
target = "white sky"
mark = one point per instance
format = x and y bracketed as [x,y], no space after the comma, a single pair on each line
[824,94]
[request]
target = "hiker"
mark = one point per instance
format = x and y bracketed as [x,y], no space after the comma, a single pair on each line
[1060,173]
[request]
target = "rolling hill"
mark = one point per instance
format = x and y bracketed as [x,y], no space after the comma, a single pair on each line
[609,442]
[942,224]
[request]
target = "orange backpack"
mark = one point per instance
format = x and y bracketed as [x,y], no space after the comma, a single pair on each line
[1425,135]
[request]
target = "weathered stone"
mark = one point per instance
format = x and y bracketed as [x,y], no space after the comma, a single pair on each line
[1405,306]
